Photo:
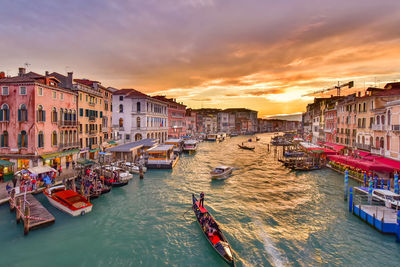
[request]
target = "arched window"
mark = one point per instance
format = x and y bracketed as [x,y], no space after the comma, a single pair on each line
[22,113]
[4,139]
[121,108]
[138,107]
[54,138]
[75,137]
[138,122]
[61,137]
[148,135]
[383,119]
[40,139]
[74,115]
[121,122]
[377,142]
[54,115]
[65,137]
[61,114]
[5,113]
[138,137]
[70,137]
[41,114]
[363,140]
[389,117]
[382,143]
[22,139]
[378,120]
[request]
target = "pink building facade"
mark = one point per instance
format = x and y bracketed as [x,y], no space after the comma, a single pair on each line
[176,117]
[37,121]
[190,122]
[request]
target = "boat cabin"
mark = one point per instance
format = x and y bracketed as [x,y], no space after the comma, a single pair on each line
[161,157]
[190,145]
[177,143]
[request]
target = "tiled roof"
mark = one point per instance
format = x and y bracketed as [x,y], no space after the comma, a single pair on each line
[130,93]
[169,100]
[28,77]
[129,146]
[85,82]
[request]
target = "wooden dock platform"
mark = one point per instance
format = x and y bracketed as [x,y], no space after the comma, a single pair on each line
[31,212]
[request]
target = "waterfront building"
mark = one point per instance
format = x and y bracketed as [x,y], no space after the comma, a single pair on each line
[346,122]
[207,120]
[38,120]
[176,117]
[190,121]
[138,116]
[94,112]
[393,120]
[245,119]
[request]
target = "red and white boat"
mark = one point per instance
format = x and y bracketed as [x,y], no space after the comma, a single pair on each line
[67,200]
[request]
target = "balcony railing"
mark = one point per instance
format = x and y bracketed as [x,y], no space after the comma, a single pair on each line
[92,132]
[92,104]
[68,145]
[396,127]
[104,129]
[378,127]
[67,123]
[377,151]
[363,146]
[92,118]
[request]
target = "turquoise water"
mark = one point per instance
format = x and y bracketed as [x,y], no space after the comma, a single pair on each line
[271,217]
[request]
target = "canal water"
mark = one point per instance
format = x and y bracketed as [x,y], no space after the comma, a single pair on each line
[270,215]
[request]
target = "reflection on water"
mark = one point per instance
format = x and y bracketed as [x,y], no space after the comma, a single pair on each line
[271,217]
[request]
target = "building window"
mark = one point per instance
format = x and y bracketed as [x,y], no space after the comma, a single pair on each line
[61,96]
[22,113]
[4,90]
[80,96]
[121,98]
[121,108]
[41,114]
[121,122]
[389,118]
[388,143]
[81,112]
[40,91]
[4,113]
[138,122]
[127,137]
[383,120]
[86,128]
[87,98]
[54,95]
[40,139]
[138,106]
[4,139]
[54,138]
[22,139]
[22,90]
[54,115]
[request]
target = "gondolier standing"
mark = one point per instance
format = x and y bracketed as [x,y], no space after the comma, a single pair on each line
[201,202]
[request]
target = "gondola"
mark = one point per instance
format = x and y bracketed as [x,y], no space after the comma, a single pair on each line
[258,139]
[246,147]
[105,189]
[115,183]
[217,240]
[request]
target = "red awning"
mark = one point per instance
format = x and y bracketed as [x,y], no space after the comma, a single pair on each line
[390,162]
[362,154]
[334,146]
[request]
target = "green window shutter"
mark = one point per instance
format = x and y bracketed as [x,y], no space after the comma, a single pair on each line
[8,115]
[26,140]
[19,140]
[81,112]
[1,115]
[101,114]
[55,118]
[44,115]
[19,115]
[2,140]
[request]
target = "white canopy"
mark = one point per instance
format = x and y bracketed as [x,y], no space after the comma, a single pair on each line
[41,169]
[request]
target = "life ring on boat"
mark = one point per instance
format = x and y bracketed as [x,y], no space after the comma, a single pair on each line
[83,213]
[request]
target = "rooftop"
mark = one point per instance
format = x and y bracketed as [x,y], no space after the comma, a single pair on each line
[130,146]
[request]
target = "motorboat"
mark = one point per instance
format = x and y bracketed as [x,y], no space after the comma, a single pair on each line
[68,201]
[221,172]
[391,199]
[177,143]
[134,168]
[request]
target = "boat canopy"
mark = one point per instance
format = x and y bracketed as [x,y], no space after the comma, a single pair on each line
[174,141]
[190,142]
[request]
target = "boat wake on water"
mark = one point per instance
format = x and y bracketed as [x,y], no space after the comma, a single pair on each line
[276,256]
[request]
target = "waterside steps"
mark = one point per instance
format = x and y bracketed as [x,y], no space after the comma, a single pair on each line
[30,211]
[384,219]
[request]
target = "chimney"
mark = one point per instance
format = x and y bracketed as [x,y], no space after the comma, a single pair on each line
[47,73]
[21,71]
[69,80]
[2,75]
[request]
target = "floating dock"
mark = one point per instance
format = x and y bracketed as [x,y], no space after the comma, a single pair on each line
[380,217]
[31,212]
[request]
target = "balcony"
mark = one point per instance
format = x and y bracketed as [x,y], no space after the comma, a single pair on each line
[377,151]
[104,129]
[68,146]
[67,123]
[378,127]
[396,128]
[92,104]
[92,118]
[92,132]
[363,146]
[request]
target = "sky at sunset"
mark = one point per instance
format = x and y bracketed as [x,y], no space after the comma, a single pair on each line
[262,55]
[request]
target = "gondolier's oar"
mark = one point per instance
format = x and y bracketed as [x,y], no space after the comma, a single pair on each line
[187,211]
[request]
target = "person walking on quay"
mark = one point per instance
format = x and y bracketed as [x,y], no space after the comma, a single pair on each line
[14,181]
[59,170]
[201,202]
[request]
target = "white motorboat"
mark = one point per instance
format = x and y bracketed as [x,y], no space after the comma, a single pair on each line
[391,199]
[134,168]
[221,173]
[190,145]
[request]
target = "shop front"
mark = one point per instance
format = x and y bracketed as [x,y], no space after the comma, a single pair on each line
[23,164]
[62,159]
[93,153]
[6,170]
